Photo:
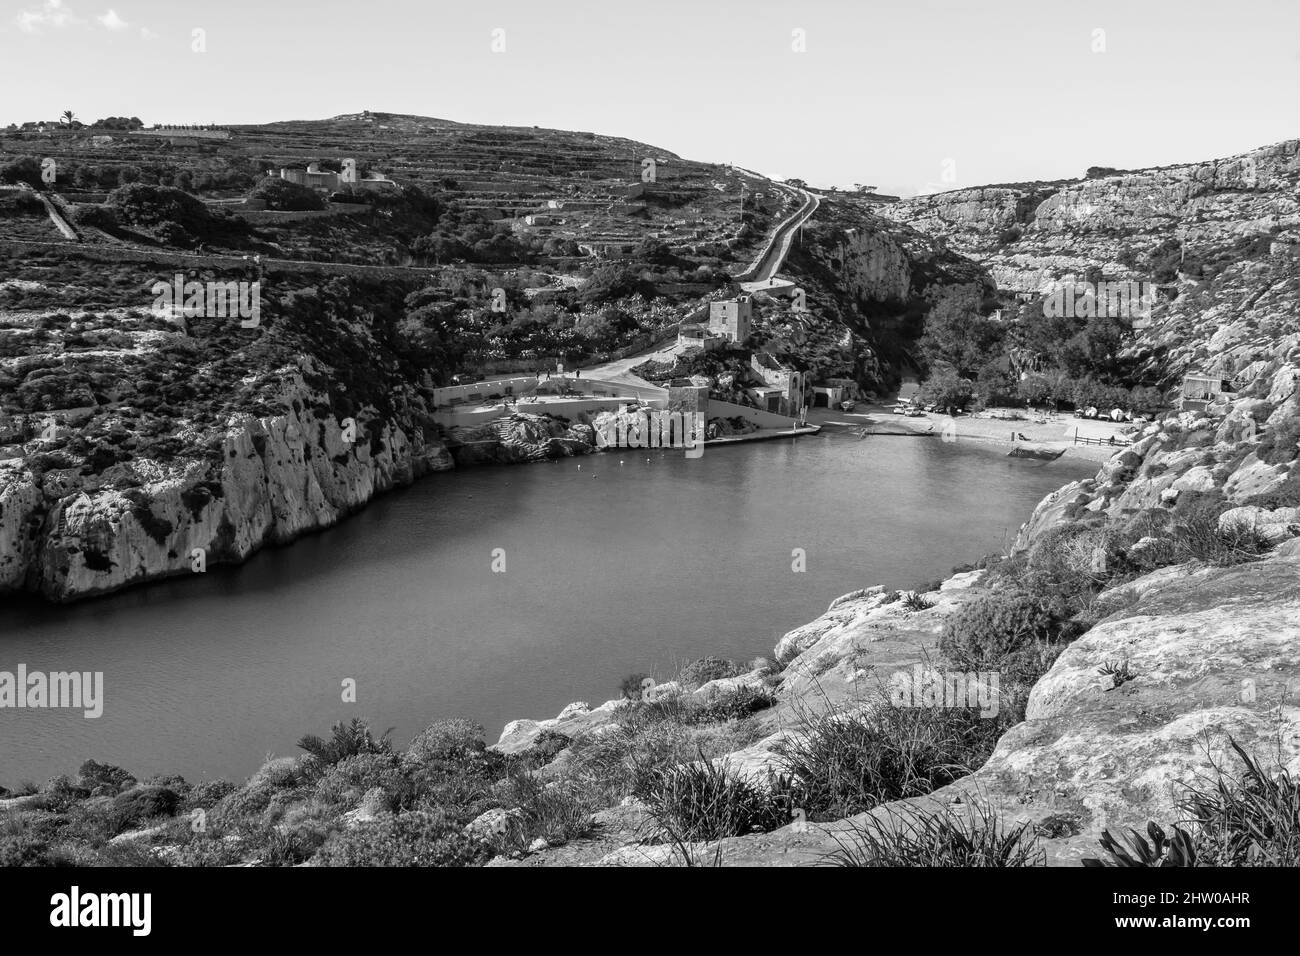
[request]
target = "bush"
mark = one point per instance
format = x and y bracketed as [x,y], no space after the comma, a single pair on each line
[1197,536]
[555,812]
[209,850]
[849,763]
[942,838]
[700,672]
[286,196]
[137,805]
[156,206]
[733,705]
[351,778]
[24,849]
[412,839]
[1281,442]
[630,686]
[546,747]
[208,793]
[103,779]
[703,801]
[450,739]
[1007,630]
[615,763]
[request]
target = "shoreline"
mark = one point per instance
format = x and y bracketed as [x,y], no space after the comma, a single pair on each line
[1054,434]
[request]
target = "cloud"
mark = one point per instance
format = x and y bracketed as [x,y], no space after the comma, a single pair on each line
[147,34]
[111,21]
[51,13]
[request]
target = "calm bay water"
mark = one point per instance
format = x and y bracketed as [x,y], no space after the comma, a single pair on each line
[614,563]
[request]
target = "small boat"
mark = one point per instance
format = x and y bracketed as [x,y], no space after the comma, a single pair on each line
[1041,454]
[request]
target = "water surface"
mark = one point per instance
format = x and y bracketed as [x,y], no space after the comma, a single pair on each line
[614,563]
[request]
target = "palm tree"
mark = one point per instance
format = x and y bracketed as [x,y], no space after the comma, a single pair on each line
[67,117]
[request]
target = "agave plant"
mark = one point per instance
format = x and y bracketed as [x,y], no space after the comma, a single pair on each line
[1163,850]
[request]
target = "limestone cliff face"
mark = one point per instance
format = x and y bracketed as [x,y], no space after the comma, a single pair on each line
[279,476]
[868,281]
[1030,234]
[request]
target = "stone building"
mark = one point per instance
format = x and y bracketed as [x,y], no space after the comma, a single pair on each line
[732,318]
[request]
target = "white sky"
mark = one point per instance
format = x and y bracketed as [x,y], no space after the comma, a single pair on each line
[884,93]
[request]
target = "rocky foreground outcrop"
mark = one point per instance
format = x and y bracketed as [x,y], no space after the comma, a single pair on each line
[1215,653]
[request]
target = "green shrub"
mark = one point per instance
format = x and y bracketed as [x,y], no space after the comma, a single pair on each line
[556,812]
[1007,630]
[743,701]
[1280,443]
[938,838]
[700,672]
[706,801]
[1197,536]
[208,793]
[281,194]
[844,764]
[103,779]
[546,747]
[630,686]
[139,804]
[450,739]
[209,850]
[24,849]
[412,839]
[351,778]
[614,763]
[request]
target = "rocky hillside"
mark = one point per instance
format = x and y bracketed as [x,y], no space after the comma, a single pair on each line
[1032,233]
[175,444]
[136,443]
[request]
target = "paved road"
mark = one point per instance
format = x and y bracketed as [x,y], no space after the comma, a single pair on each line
[783,236]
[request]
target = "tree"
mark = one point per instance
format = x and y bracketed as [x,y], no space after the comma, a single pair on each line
[284,195]
[24,169]
[947,389]
[956,334]
[67,118]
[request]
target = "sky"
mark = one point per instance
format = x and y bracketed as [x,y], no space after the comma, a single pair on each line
[907,95]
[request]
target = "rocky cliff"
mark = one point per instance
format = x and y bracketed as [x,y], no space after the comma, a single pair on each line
[69,535]
[171,446]
[1030,234]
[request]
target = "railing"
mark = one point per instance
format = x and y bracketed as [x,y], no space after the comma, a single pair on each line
[1112,440]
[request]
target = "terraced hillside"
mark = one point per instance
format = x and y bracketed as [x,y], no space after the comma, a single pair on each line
[133,434]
